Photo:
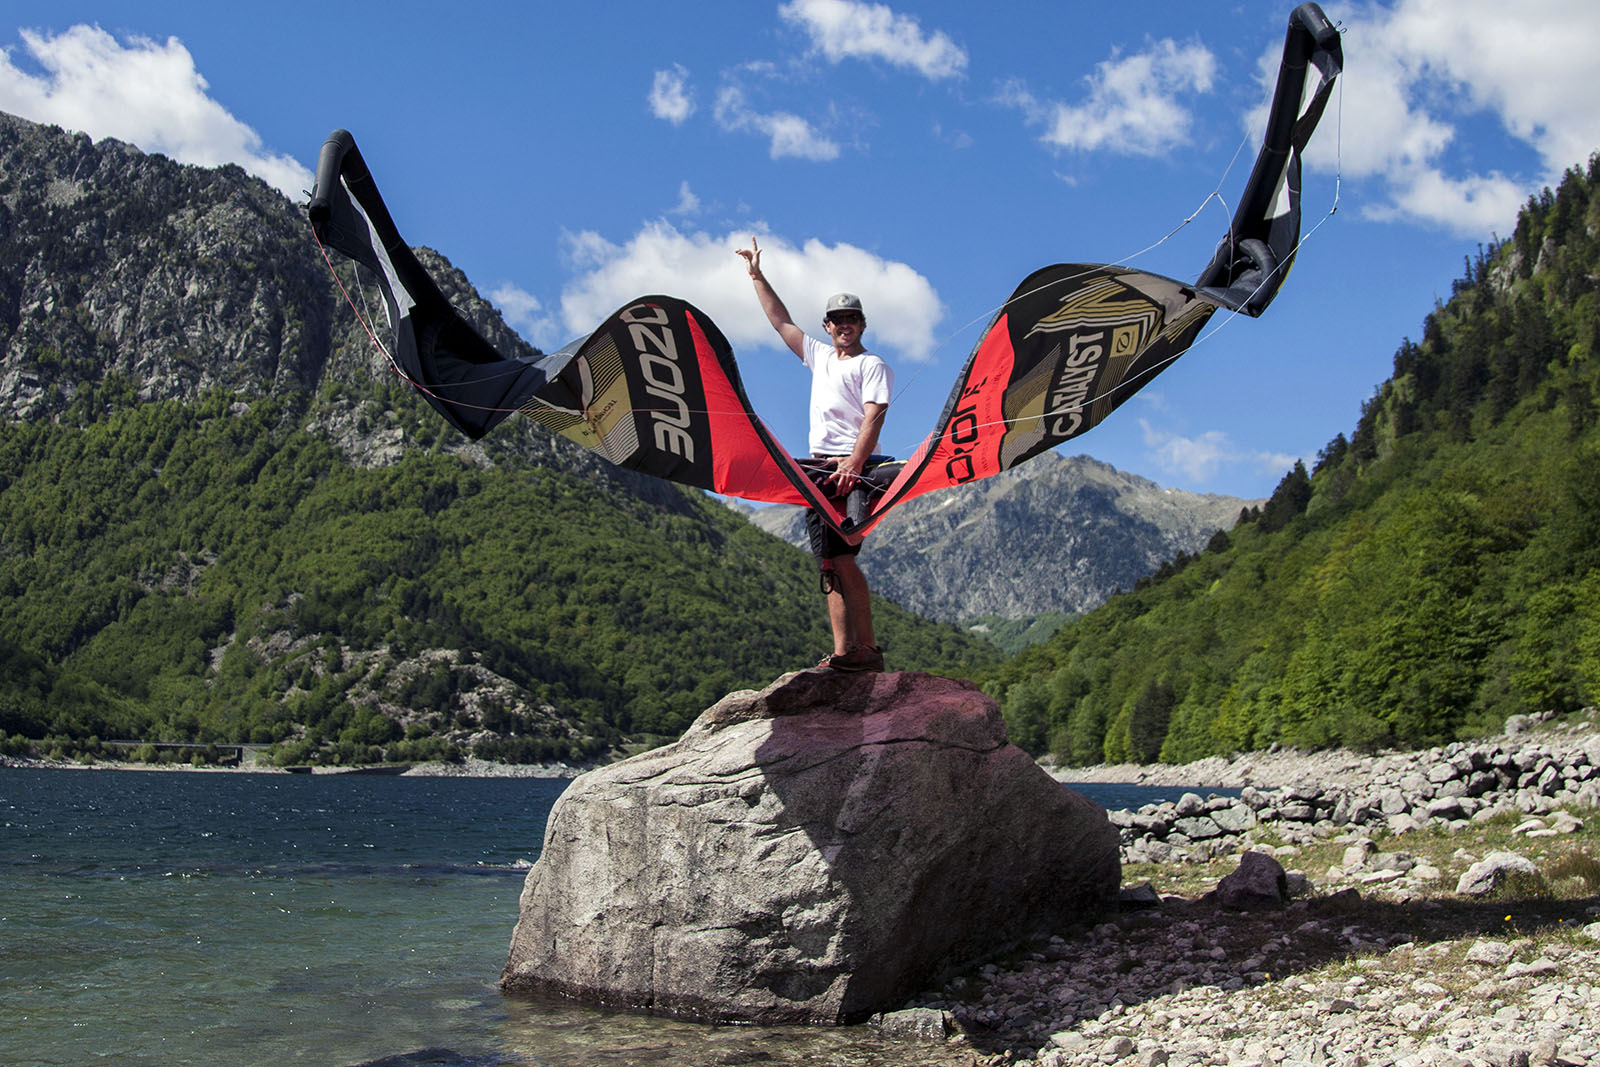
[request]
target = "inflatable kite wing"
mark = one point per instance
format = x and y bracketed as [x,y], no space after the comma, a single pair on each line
[1075,340]
[656,389]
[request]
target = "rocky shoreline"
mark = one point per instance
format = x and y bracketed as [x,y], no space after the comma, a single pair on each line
[1442,914]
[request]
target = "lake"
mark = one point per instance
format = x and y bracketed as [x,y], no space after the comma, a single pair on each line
[234,918]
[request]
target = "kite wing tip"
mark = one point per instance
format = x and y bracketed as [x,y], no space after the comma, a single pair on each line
[329,161]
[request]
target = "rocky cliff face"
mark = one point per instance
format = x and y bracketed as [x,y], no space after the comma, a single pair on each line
[180,278]
[1058,533]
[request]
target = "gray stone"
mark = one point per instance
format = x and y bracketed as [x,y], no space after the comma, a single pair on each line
[1491,953]
[1357,855]
[1138,898]
[1402,824]
[1392,861]
[1502,1055]
[1489,873]
[815,852]
[915,1024]
[1537,968]
[1235,819]
[1198,828]
[1440,773]
[1565,823]
[1069,1040]
[1445,807]
[1415,783]
[1259,882]
[1481,782]
[1117,1048]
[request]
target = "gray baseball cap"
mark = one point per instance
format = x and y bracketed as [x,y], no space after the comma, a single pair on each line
[843,302]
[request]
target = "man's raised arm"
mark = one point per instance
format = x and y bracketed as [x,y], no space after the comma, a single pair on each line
[777,314]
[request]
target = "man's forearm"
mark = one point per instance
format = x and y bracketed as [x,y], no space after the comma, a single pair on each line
[777,314]
[867,439]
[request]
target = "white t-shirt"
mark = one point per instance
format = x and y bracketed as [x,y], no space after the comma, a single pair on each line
[840,391]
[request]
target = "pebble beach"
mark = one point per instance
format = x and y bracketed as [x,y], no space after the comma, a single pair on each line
[1442,908]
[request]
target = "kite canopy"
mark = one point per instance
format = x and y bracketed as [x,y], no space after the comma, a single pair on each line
[656,389]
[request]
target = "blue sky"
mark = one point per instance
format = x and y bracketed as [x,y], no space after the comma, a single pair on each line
[925,155]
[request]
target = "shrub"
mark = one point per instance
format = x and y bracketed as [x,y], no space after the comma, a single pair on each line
[1579,868]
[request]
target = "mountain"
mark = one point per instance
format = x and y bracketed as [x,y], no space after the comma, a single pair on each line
[224,519]
[1437,571]
[1058,534]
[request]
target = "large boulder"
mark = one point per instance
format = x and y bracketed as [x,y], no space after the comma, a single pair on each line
[814,852]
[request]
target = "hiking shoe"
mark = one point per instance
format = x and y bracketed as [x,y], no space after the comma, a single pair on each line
[859,658]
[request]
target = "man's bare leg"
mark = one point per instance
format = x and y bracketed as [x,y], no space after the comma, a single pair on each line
[850,607]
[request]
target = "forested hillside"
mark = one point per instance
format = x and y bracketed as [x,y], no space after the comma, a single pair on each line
[222,520]
[1437,570]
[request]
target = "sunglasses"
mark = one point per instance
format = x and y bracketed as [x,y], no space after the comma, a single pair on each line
[843,317]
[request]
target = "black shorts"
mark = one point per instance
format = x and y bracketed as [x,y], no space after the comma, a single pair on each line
[825,542]
[876,475]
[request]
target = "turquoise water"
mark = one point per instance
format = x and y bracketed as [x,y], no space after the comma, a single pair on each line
[241,919]
[186,918]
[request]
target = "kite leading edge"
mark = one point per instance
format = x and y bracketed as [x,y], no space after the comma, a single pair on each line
[655,388]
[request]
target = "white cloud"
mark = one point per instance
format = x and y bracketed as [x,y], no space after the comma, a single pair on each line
[1133,103]
[139,91]
[670,96]
[1421,69]
[526,314]
[1198,459]
[955,138]
[848,29]
[1476,204]
[902,307]
[789,135]
[688,203]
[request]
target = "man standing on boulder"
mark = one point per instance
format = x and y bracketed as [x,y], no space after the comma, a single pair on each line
[850,390]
